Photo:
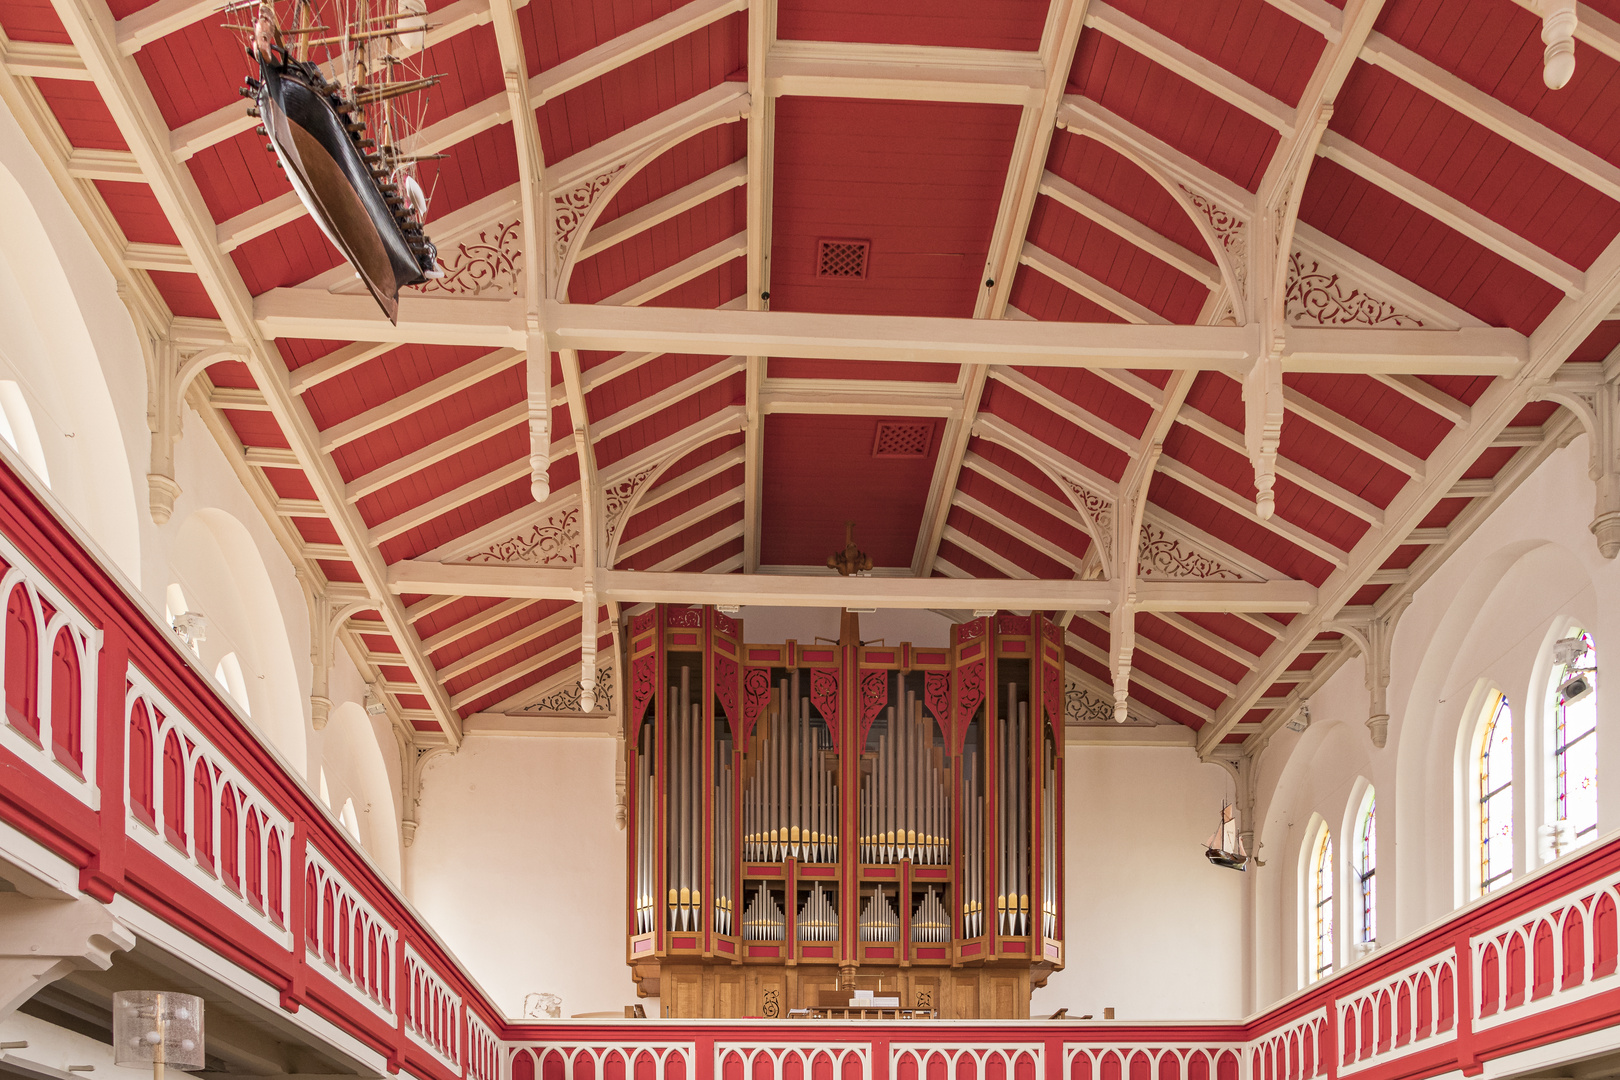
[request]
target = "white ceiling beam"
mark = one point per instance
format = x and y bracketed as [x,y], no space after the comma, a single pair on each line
[475,488]
[1063,510]
[474,623]
[1029,537]
[1130,230]
[518,638]
[661,210]
[782,396]
[1209,639]
[1089,118]
[761,177]
[1320,16]
[705,510]
[939,340]
[407,404]
[264,218]
[1480,107]
[43,60]
[1425,394]
[1369,442]
[852,69]
[335,363]
[169,257]
[1598,31]
[701,547]
[1451,212]
[670,487]
[1196,69]
[831,590]
[1083,284]
[994,428]
[993,559]
[118,165]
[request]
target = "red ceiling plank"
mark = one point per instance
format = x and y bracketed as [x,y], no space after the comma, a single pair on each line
[475,167]
[385,378]
[85,118]
[184,293]
[648,380]
[922,181]
[999,541]
[642,88]
[1243,534]
[1497,47]
[1025,516]
[502,664]
[820,471]
[669,420]
[561,31]
[1053,430]
[1421,249]
[684,539]
[1018,466]
[1376,407]
[481,459]
[1182,113]
[285,257]
[1443,513]
[1122,266]
[1096,395]
[1006,24]
[966,561]
[1039,297]
[664,245]
[519,621]
[1244,635]
[669,509]
[461,521]
[1118,181]
[703,154]
[138,213]
[710,559]
[1476,165]
[1249,38]
[237,175]
[1162,633]
[1403,557]
[32,20]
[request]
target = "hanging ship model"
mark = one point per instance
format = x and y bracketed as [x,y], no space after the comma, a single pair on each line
[339,136]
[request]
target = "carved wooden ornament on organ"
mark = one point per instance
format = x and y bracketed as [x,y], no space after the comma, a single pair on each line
[813,817]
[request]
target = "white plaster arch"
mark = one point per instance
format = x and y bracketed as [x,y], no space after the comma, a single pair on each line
[223,575]
[355,770]
[61,354]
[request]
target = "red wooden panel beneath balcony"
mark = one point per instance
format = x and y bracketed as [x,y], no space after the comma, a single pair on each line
[1005,24]
[819,472]
[1180,112]
[921,181]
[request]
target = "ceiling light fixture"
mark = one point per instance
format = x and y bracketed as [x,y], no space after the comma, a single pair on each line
[851,560]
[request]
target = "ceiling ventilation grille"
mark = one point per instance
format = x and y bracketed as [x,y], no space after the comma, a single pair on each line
[902,440]
[842,258]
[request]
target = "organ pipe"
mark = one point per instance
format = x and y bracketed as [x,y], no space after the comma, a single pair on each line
[754,771]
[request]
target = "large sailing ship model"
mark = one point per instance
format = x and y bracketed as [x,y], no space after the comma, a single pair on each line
[341,133]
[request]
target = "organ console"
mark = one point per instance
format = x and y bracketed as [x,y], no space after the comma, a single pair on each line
[812,817]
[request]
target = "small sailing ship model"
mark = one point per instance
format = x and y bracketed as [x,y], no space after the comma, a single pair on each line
[1224,846]
[339,135]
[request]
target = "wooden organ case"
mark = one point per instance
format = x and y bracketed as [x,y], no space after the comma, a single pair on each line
[804,818]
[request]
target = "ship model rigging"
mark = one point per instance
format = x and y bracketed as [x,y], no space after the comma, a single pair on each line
[340,135]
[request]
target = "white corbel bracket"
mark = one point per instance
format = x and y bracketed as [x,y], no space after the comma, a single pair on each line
[172,367]
[539,391]
[1596,404]
[1373,637]
[326,618]
[43,940]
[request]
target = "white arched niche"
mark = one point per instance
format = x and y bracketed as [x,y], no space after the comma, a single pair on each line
[57,408]
[356,773]
[223,576]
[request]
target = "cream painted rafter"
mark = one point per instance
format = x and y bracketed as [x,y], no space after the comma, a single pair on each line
[91,27]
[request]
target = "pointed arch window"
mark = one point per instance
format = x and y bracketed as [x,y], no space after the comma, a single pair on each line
[1574,741]
[1366,867]
[1493,766]
[1321,905]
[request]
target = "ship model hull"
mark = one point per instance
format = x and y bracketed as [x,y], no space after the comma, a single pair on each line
[335,182]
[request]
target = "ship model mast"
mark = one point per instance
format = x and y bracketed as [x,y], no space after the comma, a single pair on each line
[339,136]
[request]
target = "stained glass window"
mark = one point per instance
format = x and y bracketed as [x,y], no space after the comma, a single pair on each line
[1574,743]
[1322,905]
[1495,767]
[1367,870]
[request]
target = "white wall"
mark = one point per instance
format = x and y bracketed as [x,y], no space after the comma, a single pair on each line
[518,866]
[1485,619]
[1152,926]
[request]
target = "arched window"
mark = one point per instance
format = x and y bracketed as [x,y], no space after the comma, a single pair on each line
[1366,868]
[229,676]
[1493,793]
[1320,909]
[1573,742]
[17,428]
[350,819]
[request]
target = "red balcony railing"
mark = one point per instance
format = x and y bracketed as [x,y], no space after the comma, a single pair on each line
[117,754]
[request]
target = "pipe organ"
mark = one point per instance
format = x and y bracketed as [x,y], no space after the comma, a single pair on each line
[806,818]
